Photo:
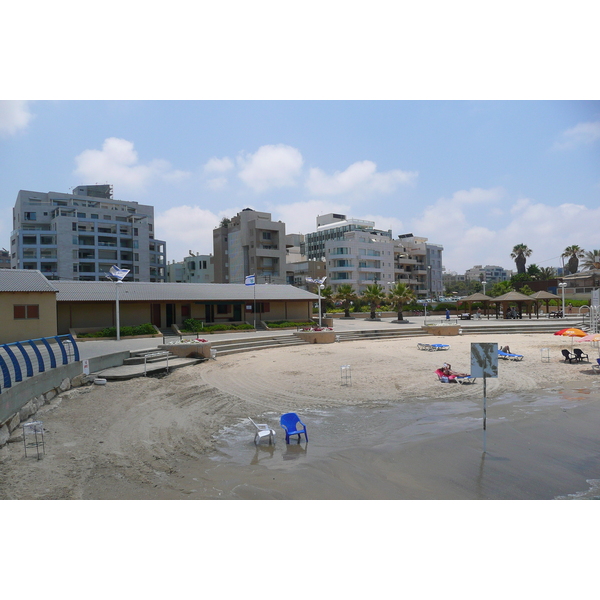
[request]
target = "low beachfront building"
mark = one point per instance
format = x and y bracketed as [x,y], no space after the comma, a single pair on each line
[27,305]
[93,304]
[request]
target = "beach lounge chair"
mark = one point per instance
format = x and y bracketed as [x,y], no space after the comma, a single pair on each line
[580,354]
[440,346]
[596,367]
[421,346]
[263,431]
[465,379]
[509,355]
[453,378]
[568,356]
[292,425]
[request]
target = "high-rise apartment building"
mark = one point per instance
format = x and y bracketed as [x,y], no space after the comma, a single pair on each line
[364,257]
[80,236]
[333,227]
[250,244]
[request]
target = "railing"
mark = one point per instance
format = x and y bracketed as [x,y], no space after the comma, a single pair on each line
[31,357]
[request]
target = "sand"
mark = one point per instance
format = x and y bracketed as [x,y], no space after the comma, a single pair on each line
[395,433]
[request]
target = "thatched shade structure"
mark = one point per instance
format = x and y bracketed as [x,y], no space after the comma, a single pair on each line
[477,297]
[543,297]
[516,298]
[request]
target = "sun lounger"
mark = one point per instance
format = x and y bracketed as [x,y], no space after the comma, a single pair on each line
[450,378]
[596,367]
[467,379]
[424,346]
[509,355]
[440,346]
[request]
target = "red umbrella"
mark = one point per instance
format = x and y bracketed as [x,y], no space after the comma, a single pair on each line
[571,332]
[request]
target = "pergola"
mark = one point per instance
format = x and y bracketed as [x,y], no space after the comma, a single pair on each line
[515,298]
[478,297]
[543,297]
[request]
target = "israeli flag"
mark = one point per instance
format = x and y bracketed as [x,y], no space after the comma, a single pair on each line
[250,280]
[118,273]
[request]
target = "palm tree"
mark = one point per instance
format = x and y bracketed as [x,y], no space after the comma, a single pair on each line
[400,294]
[533,271]
[327,296]
[547,273]
[520,253]
[591,260]
[573,253]
[374,295]
[347,295]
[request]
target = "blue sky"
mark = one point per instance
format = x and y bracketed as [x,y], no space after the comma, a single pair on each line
[477,177]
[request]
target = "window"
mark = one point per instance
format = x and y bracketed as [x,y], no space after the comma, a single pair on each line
[26,311]
[29,216]
[222,309]
[266,235]
[80,215]
[261,307]
[94,216]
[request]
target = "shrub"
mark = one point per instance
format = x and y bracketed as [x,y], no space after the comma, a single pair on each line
[145,329]
[281,324]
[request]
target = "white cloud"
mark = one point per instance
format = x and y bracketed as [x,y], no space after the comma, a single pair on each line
[272,166]
[359,178]
[301,217]
[546,230]
[117,163]
[14,115]
[188,228]
[582,134]
[218,165]
[217,183]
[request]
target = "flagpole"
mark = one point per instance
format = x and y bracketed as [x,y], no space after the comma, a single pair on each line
[254,286]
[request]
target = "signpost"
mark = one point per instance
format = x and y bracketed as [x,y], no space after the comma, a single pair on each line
[484,363]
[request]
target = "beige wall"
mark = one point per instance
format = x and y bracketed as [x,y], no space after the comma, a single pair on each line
[102,314]
[12,330]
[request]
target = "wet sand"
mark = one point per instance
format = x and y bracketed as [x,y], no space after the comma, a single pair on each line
[394,433]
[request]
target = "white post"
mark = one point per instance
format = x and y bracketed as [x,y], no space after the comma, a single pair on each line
[118,316]
[562,287]
[321,286]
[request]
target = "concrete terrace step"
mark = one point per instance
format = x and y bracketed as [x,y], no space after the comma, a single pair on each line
[137,370]
[225,347]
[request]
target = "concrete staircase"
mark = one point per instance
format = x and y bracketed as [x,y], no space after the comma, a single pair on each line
[225,347]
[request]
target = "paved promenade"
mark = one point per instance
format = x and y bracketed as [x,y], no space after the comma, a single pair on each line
[90,349]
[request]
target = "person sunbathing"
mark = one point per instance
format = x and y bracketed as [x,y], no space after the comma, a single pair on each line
[448,372]
[505,349]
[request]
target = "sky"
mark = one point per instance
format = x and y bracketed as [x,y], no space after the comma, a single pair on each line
[477,177]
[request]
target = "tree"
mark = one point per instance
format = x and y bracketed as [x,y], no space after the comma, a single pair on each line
[591,260]
[519,254]
[501,288]
[347,295]
[327,298]
[400,294]
[547,273]
[225,222]
[573,253]
[533,271]
[374,295]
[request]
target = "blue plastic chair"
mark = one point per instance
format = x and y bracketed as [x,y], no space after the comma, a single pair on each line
[292,425]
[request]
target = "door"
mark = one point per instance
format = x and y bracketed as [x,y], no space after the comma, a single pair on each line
[155,314]
[237,312]
[209,312]
[171,318]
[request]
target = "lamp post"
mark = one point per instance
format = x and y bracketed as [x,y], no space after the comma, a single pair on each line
[320,286]
[484,283]
[117,285]
[562,286]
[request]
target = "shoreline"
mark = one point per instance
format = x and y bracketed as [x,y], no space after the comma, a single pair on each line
[160,438]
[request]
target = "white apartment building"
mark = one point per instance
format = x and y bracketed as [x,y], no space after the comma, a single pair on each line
[250,244]
[489,273]
[80,236]
[364,257]
[195,268]
[332,227]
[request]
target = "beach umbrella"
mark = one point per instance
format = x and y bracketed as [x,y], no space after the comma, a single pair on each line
[591,337]
[572,332]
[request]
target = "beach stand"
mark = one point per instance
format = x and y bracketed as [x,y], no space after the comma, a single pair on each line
[346,375]
[36,429]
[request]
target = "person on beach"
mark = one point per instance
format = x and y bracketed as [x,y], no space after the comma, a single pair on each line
[448,372]
[505,349]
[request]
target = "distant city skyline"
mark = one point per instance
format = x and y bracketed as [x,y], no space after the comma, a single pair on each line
[477,177]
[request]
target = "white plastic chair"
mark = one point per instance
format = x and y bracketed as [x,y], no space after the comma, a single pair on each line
[263,431]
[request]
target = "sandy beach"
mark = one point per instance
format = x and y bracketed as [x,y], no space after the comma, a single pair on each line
[395,433]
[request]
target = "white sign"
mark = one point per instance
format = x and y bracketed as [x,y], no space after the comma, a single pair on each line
[86,367]
[596,298]
[484,360]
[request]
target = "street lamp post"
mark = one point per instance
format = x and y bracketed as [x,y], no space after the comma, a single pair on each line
[484,283]
[562,286]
